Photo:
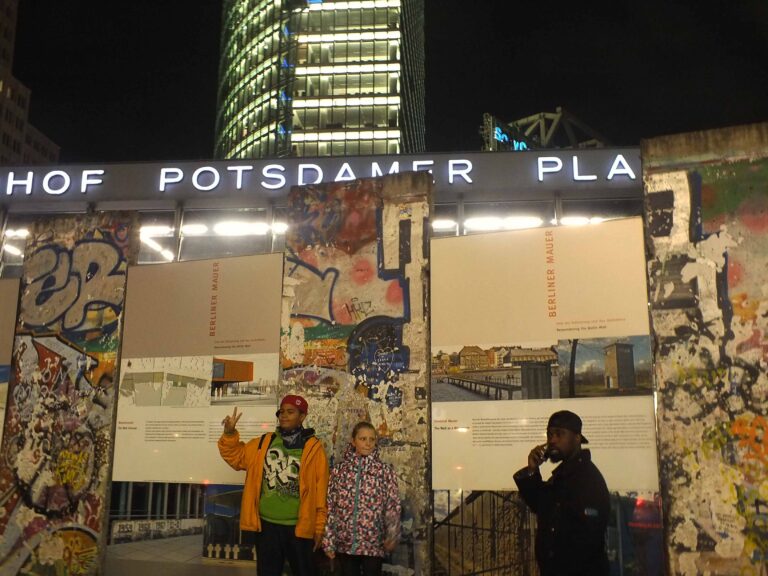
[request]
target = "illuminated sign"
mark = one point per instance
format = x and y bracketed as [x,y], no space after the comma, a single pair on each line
[504,138]
[264,181]
[553,164]
[273,176]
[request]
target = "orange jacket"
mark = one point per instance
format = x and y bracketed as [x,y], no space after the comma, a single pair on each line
[313,481]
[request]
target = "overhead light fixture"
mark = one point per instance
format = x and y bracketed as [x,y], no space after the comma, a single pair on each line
[522,222]
[155,231]
[444,224]
[580,220]
[279,227]
[574,221]
[239,228]
[194,229]
[11,249]
[484,223]
[20,233]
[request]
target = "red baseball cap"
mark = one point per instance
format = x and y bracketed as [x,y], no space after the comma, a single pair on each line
[297,401]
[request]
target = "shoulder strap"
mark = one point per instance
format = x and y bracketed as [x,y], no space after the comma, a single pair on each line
[271,436]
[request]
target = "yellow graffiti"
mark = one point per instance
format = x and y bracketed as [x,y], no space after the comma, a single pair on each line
[753,436]
[701,376]
[80,554]
[79,559]
[744,308]
[71,469]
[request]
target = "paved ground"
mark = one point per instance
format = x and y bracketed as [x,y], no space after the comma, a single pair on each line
[169,557]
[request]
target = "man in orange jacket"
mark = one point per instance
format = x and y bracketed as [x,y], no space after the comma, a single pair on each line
[286,481]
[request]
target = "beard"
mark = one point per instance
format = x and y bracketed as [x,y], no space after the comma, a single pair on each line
[554,456]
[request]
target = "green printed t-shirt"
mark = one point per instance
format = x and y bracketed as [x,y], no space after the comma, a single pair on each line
[279,502]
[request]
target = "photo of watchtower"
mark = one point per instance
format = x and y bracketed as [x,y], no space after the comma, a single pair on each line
[619,366]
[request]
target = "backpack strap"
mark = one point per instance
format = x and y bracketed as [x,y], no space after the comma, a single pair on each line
[270,435]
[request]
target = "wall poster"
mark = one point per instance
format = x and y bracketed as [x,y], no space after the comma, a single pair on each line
[559,321]
[9,296]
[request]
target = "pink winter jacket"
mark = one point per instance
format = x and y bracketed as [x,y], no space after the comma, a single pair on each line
[363,506]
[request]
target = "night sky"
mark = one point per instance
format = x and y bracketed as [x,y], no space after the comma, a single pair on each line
[139,83]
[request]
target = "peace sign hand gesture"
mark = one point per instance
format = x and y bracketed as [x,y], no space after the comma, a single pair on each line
[230,422]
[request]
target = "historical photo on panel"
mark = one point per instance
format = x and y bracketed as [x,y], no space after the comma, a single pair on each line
[473,373]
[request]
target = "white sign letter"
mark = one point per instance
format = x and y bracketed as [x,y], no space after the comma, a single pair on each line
[345,173]
[557,165]
[620,166]
[170,176]
[316,168]
[269,172]
[239,171]
[419,163]
[27,182]
[577,176]
[454,171]
[376,169]
[87,180]
[66,180]
[196,178]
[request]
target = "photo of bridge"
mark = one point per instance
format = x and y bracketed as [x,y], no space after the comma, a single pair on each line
[496,373]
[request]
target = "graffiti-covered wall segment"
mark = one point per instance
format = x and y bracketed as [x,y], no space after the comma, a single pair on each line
[354,332]
[56,447]
[707,211]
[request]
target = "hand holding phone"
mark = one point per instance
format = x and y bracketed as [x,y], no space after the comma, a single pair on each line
[537,456]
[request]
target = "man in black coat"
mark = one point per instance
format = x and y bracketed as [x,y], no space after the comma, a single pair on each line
[571,507]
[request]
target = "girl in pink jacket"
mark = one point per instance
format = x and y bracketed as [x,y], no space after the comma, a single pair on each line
[363,522]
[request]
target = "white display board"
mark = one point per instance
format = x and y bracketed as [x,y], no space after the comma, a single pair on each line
[525,323]
[200,339]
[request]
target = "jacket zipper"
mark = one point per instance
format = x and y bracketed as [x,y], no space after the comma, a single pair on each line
[358,472]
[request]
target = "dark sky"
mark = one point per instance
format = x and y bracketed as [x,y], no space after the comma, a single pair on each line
[139,82]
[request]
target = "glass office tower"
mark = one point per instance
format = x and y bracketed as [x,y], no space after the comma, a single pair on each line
[321,78]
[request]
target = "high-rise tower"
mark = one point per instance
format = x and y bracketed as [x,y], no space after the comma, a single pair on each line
[20,142]
[321,78]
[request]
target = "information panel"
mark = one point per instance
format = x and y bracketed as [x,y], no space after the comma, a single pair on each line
[200,339]
[525,323]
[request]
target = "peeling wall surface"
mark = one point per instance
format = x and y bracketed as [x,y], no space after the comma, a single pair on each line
[354,334]
[9,296]
[56,449]
[708,267]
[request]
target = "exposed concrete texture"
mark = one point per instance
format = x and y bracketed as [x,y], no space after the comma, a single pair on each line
[708,269]
[55,470]
[705,147]
[354,332]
